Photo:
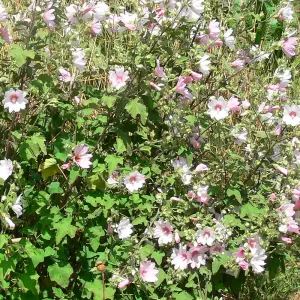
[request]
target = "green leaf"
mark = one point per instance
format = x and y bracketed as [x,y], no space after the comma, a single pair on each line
[236,194]
[119,146]
[250,210]
[112,162]
[109,101]
[64,228]
[3,240]
[19,55]
[49,168]
[158,256]
[134,108]
[60,274]
[146,251]
[183,296]
[54,188]
[30,283]
[94,234]
[140,220]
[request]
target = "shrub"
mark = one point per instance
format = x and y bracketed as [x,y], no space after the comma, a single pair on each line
[149,148]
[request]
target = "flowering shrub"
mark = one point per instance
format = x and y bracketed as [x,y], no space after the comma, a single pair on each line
[147,147]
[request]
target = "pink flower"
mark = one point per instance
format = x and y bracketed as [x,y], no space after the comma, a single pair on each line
[238,64]
[77,99]
[180,258]
[234,104]
[240,254]
[79,59]
[159,71]
[191,194]
[214,30]
[118,77]
[124,283]
[148,271]
[201,167]
[181,88]
[244,265]
[134,181]
[163,231]
[289,46]
[5,34]
[96,28]
[49,18]
[197,256]
[65,75]
[206,236]
[282,170]
[278,129]
[286,240]
[177,237]
[196,76]
[81,158]
[66,166]
[160,12]
[195,143]
[188,79]
[272,197]
[218,108]
[287,209]
[202,196]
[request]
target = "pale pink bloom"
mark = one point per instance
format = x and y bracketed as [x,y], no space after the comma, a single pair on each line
[3,13]
[282,170]
[6,168]
[118,77]
[180,258]
[65,75]
[197,256]
[234,104]
[204,65]
[216,249]
[240,137]
[291,115]
[191,194]
[205,236]
[87,11]
[81,158]
[96,28]
[214,30]
[134,181]
[163,231]
[79,59]
[261,107]
[289,46]
[10,223]
[5,34]
[148,271]
[218,108]
[287,209]
[14,100]
[238,64]
[254,244]
[297,206]
[72,12]
[196,76]
[272,197]
[201,167]
[273,108]
[286,13]
[156,86]
[159,71]
[181,88]
[240,254]
[160,12]
[219,43]
[124,283]
[204,39]
[278,129]
[124,229]
[129,20]
[101,11]
[286,240]
[244,265]
[257,262]
[66,166]
[177,237]
[77,99]
[202,196]
[188,79]
[49,18]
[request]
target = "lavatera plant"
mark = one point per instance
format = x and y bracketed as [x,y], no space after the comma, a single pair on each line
[149,149]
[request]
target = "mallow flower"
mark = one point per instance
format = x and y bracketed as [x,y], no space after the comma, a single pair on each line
[81,158]
[218,108]
[15,100]
[6,168]
[118,77]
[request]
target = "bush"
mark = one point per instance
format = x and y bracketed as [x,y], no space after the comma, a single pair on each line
[149,148]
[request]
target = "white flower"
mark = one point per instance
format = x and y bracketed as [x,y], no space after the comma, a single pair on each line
[6,168]
[164,232]
[229,39]
[134,181]
[15,100]
[284,76]
[101,11]
[218,109]
[246,104]
[124,229]
[10,223]
[206,236]
[258,261]
[118,77]
[184,170]
[240,136]
[204,65]
[222,233]
[291,115]
[197,6]
[72,10]
[65,76]
[268,118]
[78,59]
[3,13]
[180,258]
[286,13]
[17,206]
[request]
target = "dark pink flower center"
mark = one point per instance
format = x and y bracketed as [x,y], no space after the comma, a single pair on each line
[195,253]
[293,114]
[206,234]
[77,157]
[184,256]
[166,230]
[218,107]
[14,98]
[133,178]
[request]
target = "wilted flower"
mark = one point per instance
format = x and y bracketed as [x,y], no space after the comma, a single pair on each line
[14,100]
[159,71]
[17,206]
